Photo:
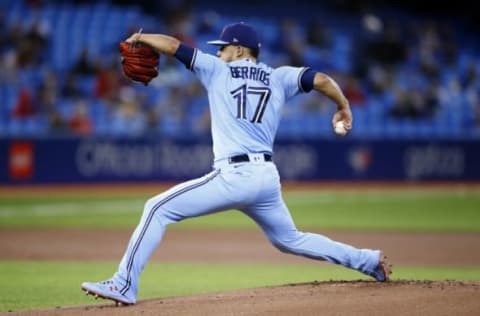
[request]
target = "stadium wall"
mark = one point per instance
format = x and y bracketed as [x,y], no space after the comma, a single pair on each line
[107,160]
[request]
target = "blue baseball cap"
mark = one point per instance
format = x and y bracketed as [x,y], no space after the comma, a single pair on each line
[238,34]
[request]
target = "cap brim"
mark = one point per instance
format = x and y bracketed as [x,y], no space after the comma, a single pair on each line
[218,42]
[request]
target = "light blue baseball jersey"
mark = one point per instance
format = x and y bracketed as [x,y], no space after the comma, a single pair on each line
[246,101]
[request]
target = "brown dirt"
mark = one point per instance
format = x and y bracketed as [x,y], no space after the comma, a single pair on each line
[430,249]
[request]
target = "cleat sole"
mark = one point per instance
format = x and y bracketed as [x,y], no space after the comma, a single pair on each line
[96,295]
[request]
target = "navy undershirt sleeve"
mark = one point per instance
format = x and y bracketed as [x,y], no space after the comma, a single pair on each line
[185,54]
[306,81]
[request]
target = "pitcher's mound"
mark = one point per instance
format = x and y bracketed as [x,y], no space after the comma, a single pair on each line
[317,298]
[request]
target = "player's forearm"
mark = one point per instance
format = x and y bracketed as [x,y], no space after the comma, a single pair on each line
[162,43]
[326,85]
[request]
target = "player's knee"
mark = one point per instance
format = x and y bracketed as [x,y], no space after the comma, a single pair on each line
[287,244]
[153,208]
[149,205]
[283,247]
[282,244]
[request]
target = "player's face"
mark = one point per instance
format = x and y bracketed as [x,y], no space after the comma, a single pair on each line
[227,53]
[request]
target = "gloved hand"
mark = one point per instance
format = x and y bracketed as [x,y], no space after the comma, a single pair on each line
[139,62]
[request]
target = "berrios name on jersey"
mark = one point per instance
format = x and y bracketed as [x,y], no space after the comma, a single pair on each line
[252,73]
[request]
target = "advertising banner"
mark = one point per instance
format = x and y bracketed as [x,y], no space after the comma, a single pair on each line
[68,160]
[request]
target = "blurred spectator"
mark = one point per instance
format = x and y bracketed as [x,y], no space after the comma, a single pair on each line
[390,47]
[15,34]
[80,122]
[70,89]
[8,58]
[291,41]
[108,83]
[183,29]
[57,124]
[414,103]
[172,10]
[8,67]
[170,74]
[128,119]
[4,36]
[429,46]
[151,118]
[449,45]
[24,106]
[450,94]
[469,76]
[315,103]
[353,91]
[50,103]
[30,45]
[207,23]
[473,96]
[408,104]
[173,107]
[47,92]
[318,35]
[9,53]
[179,21]
[379,79]
[84,66]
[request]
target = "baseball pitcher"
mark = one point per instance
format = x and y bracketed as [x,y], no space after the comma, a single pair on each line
[246,99]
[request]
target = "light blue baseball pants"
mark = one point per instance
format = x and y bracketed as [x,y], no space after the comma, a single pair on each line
[251,187]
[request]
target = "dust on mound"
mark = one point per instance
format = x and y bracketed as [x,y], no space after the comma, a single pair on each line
[402,297]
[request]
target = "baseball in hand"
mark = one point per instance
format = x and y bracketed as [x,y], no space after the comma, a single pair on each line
[340,128]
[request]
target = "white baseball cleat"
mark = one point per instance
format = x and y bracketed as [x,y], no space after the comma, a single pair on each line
[109,290]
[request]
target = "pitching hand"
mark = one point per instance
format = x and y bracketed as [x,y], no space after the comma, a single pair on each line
[344,115]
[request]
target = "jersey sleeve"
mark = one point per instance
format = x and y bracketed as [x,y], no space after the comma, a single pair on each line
[203,65]
[295,80]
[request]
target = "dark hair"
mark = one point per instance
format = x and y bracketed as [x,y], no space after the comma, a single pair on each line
[254,52]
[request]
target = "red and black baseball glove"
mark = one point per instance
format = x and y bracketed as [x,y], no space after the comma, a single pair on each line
[139,62]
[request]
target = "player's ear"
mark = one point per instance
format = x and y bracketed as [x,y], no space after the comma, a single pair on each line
[239,51]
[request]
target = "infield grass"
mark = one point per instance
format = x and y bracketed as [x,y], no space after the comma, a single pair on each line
[28,285]
[406,210]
